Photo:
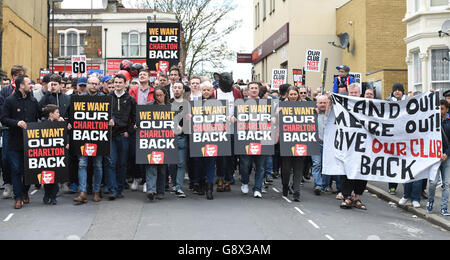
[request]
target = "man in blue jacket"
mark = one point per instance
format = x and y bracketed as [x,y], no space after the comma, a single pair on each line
[343,78]
[445,164]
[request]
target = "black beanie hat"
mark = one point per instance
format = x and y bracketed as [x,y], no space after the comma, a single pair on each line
[398,86]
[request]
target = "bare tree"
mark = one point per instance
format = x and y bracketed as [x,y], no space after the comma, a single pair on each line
[203,30]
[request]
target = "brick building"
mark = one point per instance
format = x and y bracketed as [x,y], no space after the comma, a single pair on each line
[23,35]
[107,33]
[377,48]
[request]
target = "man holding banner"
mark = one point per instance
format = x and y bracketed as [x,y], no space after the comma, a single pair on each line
[348,185]
[374,140]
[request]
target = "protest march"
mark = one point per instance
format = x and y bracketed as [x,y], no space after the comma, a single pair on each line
[156,134]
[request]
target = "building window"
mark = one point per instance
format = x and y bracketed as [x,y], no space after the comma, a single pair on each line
[62,45]
[133,44]
[416,5]
[71,43]
[143,44]
[434,3]
[417,72]
[256,16]
[440,69]
[264,10]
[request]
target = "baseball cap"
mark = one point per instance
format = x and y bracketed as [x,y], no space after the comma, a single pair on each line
[82,81]
[106,78]
[343,67]
[46,78]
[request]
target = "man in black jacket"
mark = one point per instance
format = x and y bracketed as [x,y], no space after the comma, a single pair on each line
[124,117]
[20,108]
[16,71]
[55,97]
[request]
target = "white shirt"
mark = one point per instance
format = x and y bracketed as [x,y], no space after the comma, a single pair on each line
[229,97]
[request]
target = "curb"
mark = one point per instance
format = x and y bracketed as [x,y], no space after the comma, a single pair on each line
[422,213]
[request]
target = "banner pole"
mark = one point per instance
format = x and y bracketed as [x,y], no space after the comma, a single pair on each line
[324,78]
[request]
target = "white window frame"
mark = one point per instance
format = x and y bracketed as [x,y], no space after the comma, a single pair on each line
[430,64]
[139,45]
[78,45]
[438,7]
[416,60]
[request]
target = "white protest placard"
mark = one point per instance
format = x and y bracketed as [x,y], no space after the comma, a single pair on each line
[279,77]
[79,66]
[313,60]
[375,140]
[357,76]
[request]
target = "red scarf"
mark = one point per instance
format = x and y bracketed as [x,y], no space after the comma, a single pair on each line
[348,80]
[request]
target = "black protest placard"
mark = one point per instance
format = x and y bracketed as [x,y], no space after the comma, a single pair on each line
[299,77]
[163,46]
[155,140]
[91,133]
[45,154]
[298,129]
[209,129]
[254,127]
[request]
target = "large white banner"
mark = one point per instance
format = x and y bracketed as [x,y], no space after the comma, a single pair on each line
[375,140]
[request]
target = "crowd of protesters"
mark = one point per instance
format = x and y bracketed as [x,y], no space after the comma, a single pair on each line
[23,101]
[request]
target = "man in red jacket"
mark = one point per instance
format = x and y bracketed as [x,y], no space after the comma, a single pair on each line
[144,93]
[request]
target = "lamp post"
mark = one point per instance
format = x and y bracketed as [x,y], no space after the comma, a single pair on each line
[53,33]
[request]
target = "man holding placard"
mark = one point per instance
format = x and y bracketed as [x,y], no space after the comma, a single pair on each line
[20,108]
[91,123]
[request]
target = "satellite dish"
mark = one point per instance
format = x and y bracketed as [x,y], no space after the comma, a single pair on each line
[446,26]
[345,40]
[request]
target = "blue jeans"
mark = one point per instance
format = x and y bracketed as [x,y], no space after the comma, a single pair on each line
[82,173]
[116,164]
[204,168]
[268,169]
[245,164]
[6,166]
[156,178]
[17,174]
[320,181]
[178,171]
[445,174]
[225,168]
[413,190]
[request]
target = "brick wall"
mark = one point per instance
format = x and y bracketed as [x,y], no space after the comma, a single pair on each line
[93,40]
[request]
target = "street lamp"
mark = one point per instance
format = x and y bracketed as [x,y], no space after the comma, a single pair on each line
[53,33]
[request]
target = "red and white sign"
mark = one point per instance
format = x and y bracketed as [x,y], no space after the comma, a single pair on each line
[89,150]
[79,66]
[313,60]
[156,158]
[254,149]
[210,150]
[298,77]
[68,68]
[163,66]
[47,177]
[301,150]
[279,77]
